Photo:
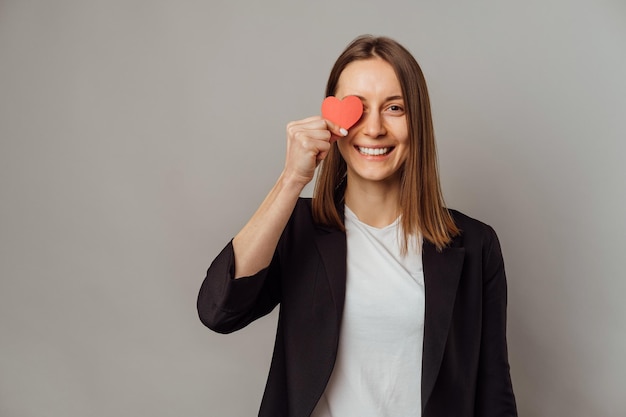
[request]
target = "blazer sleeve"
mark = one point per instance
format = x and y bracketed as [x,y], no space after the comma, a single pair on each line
[226,304]
[494,396]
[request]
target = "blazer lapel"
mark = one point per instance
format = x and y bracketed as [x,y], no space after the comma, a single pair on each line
[331,245]
[442,271]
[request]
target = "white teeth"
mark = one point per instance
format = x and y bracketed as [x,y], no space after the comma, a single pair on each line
[373,151]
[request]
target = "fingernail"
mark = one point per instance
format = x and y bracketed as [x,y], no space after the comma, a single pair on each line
[343,131]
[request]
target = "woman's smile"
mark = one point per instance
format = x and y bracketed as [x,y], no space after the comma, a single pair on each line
[375,151]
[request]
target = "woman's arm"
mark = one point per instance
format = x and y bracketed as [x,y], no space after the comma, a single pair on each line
[308,142]
[494,396]
[226,304]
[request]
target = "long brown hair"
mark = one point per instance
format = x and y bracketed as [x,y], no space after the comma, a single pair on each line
[421,201]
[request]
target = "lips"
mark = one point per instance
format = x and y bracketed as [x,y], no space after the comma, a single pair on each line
[374,151]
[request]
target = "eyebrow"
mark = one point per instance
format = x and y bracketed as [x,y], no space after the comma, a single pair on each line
[390,98]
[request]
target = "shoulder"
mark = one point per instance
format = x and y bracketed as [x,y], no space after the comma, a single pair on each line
[467,223]
[301,221]
[304,203]
[474,232]
[481,245]
[302,212]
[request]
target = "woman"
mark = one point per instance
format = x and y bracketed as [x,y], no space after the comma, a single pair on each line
[391,305]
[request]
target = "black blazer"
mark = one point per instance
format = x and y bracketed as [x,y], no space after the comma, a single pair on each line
[465,369]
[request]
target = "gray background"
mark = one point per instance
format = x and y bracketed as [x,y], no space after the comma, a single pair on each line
[137,137]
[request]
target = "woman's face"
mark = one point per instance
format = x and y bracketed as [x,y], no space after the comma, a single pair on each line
[377,146]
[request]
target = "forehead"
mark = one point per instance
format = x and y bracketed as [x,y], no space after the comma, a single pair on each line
[368,77]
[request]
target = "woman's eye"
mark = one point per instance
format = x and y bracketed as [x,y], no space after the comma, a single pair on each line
[395,108]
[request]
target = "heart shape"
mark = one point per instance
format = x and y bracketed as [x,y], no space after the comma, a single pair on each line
[344,113]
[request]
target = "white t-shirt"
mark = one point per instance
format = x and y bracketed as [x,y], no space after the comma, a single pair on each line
[379,362]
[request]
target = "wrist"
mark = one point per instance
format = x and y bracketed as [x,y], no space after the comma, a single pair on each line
[294,182]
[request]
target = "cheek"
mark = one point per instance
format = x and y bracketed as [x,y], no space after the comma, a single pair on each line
[402,134]
[343,147]
[402,129]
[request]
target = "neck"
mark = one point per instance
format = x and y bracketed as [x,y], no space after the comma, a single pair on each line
[374,203]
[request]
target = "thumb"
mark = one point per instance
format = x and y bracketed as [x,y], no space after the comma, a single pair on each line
[336,131]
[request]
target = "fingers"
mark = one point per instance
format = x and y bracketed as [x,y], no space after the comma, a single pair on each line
[308,142]
[336,130]
[317,123]
[314,134]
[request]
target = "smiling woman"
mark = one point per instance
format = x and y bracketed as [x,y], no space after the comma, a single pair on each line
[398,100]
[391,304]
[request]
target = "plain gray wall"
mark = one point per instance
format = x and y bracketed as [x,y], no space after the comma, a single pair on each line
[137,137]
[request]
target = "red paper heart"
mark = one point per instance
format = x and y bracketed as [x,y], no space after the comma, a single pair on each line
[344,113]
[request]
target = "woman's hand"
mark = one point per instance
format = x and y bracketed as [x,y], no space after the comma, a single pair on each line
[308,143]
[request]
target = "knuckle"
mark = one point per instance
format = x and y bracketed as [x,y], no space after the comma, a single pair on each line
[306,144]
[300,136]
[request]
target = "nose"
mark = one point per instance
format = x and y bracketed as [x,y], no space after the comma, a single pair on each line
[373,125]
